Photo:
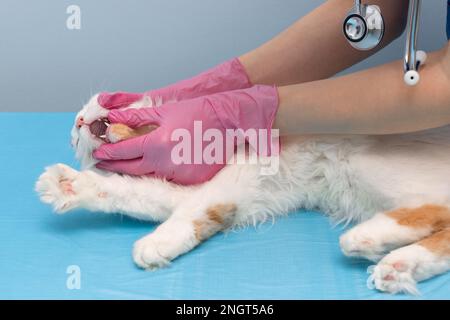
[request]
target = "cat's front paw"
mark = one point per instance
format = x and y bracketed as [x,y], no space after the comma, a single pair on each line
[146,254]
[58,187]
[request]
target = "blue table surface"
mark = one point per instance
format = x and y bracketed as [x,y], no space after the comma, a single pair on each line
[298,257]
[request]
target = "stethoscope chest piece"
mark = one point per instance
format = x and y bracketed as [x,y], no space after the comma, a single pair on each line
[364,26]
[364,30]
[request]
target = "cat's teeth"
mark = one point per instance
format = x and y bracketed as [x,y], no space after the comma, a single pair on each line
[103,136]
[106,124]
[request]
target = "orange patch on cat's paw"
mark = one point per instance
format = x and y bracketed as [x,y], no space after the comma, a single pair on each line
[218,217]
[438,243]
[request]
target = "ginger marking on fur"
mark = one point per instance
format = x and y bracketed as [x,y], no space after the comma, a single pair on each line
[429,216]
[218,217]
[438,243]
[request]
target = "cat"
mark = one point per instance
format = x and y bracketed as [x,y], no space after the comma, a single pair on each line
[396,187]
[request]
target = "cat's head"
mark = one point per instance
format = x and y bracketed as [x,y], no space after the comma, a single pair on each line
[83,141]
[91,127]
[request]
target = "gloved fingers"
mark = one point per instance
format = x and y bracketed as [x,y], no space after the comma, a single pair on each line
[136,117]
[123,150]
[118,100]
[132,167]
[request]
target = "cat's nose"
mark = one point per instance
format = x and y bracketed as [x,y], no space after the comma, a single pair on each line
[80,122]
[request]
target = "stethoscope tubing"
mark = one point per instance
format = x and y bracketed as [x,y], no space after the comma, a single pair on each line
[411,62]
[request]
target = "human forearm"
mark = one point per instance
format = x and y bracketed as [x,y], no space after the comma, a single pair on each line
[314,47]
[374,101]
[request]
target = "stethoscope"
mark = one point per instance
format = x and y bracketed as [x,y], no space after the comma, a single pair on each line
[364,30]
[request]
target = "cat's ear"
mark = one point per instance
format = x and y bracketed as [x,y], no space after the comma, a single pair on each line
[118,100]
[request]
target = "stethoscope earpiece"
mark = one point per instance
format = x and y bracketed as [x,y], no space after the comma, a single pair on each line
[364,29]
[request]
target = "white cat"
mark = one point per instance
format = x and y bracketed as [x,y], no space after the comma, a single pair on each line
[399,185]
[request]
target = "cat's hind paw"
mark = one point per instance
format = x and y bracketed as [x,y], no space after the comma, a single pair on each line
[392,278]
[401,269]
[57,187]
[356,243]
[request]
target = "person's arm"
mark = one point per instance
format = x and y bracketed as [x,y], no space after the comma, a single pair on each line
[315,47]
[374,101]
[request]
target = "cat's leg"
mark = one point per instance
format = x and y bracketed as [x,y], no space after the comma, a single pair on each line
[233,197]
[143,198]
[400,270]
[393,229]
[187,227]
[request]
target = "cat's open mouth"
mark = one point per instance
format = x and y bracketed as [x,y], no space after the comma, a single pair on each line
[106,132]
[99,127]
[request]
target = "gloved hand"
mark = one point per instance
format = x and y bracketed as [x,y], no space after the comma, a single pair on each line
[159,152]
[227,76]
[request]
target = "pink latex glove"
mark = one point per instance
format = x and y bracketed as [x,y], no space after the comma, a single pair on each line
[227,76]
[151,154]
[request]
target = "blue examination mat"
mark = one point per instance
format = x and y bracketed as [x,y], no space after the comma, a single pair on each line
[83,255]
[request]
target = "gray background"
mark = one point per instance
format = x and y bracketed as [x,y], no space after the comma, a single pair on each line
[137,45]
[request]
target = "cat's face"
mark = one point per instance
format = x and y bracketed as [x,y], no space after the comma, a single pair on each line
[83,140]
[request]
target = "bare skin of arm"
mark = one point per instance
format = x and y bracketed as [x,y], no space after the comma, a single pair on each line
[375,101]
[315,48]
